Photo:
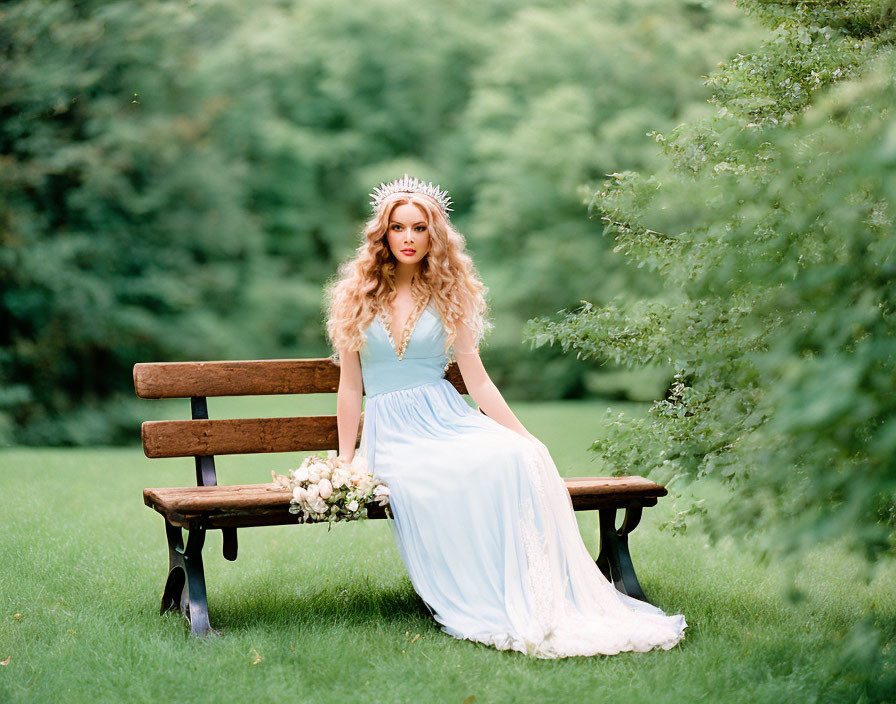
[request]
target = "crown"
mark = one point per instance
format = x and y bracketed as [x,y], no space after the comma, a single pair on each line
[410,185]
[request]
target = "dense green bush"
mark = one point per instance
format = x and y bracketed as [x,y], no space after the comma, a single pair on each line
[772,226]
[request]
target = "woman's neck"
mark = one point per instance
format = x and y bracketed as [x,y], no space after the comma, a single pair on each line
[404,275]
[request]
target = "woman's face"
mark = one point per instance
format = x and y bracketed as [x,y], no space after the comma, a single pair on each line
[408,234]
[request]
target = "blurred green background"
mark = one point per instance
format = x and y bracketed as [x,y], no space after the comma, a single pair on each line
[179,179]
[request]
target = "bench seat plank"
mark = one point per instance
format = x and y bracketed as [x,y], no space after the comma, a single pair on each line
[244,505]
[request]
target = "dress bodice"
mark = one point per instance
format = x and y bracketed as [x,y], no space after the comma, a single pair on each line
[424,360]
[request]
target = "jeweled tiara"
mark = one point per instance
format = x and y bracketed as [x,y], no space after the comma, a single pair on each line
[410,185]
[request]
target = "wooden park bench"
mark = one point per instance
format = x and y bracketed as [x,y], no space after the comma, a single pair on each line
[209,506]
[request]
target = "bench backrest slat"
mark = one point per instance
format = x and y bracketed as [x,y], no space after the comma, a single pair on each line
[235,378]
[192,438]
[246,378]
[206,438]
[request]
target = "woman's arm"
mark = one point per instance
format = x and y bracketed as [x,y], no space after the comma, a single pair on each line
[480,386]
[348,402]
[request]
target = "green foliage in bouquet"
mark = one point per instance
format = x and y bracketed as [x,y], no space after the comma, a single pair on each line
[771,226]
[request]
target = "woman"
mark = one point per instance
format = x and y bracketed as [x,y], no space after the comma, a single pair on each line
[482,519]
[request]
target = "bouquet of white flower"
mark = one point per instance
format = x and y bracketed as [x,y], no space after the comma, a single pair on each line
[327,489]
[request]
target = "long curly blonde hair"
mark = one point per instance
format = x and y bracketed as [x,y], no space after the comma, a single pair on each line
[365,283]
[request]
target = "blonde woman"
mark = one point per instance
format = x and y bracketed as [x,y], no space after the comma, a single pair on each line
[482,519]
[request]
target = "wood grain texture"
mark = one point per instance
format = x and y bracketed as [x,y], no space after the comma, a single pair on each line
[236,436]
[247,505]
[246,378]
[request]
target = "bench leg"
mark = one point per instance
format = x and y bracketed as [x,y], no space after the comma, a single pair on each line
[614,559]
[185,586]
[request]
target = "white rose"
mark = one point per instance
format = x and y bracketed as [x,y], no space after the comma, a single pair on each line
[325,489]
[326,472]
[339,479]
[331,454]
[299,494]
[301,474]
[314,475]
[313,492]
[352,506]
[365,484]
[381,492]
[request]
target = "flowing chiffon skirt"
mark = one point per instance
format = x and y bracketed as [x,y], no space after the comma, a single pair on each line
[485,526]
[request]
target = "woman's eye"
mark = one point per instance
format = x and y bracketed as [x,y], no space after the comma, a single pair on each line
[421,227]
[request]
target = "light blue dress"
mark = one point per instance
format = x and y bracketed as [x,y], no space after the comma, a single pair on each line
[482,519]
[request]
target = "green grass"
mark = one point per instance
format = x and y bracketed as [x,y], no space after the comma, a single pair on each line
[332,614]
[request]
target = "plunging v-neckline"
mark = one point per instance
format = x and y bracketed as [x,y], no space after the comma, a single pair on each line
[386,324]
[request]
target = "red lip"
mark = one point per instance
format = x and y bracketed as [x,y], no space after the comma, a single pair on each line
[408,251]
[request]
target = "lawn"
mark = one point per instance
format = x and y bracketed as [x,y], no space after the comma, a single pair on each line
[309,614]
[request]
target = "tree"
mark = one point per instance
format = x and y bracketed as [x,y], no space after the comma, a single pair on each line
[772,227]
[564,100]
[123,236]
